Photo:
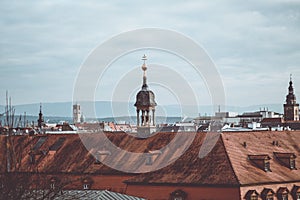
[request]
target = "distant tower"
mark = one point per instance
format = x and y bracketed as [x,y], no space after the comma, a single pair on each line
[145,102]
[76,113]
[291,107]
[82,118]
[41,118]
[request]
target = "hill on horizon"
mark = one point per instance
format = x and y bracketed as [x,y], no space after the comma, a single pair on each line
[107,109]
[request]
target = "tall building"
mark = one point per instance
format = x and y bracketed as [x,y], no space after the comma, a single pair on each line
[291,107]
[145,106]
[76,113]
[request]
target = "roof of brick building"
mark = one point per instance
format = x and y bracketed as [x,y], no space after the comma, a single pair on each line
[230,161]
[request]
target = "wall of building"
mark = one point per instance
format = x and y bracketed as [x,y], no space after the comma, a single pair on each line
[193,193]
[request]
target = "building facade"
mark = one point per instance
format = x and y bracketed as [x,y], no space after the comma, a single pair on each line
[241,165]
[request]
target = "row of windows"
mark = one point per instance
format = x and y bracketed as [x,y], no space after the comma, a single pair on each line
[55,183]
[268,194]
[263,161]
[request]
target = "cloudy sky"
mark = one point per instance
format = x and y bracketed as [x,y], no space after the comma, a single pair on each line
[255,45]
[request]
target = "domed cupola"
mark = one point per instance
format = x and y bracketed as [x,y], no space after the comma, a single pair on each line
[145,101]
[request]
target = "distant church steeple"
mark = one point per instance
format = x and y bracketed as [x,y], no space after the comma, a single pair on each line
[145,102]
[291,107]
[41,118]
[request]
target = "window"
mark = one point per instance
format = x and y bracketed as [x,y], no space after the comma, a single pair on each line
[295,192]
[86,183]
[285,197]
[270,197]
[85,186]
[267,166]
[286,159]
[178,198]
[251,195]
[267,194]
[282,193]
[261,161]
[292,164]
[53,183]
[254,198]
[52,186]
[31,158]
[178,195]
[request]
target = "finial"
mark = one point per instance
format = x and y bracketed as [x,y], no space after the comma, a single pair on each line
[291,77]
[40,107]
[144,58]
[144,68]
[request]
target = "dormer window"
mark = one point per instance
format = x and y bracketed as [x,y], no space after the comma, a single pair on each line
[267,165]
[286,159]
[101,155]
[87,182]
[251,195]
[292,164]
[31,158]
[152,156]
[53,183]
[178,195]
[296,192]
[52,186]
[261,161]
[282,193]
[85,186]
[267,194]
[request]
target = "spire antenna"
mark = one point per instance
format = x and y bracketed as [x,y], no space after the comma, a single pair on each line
[291,77]
[144,68]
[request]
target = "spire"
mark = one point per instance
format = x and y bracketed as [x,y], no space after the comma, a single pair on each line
[144,68]
[40,109]
[291,89]
[290,97]
[41,119]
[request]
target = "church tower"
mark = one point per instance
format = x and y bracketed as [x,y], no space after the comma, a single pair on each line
[291,107]
[76,113]
[41,118]
[145,104]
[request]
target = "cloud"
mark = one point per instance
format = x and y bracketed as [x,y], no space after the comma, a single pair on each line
[252,43]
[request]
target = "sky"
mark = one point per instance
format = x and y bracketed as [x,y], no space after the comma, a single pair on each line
[255,46]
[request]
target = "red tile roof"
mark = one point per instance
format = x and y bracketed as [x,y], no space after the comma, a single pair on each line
[262,143]
[227,164]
